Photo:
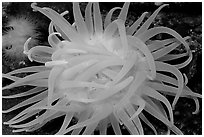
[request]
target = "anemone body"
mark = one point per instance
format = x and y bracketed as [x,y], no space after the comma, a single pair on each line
[102,73]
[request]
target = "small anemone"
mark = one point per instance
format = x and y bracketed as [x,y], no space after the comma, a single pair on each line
[20,28]
[102,73]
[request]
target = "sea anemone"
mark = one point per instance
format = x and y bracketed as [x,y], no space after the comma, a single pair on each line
[101,73]
[18,29]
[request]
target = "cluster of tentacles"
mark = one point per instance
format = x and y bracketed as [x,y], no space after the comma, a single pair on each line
[102,73]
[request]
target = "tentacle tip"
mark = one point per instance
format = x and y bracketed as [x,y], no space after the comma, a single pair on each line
[164,5]
[5,97]
[25,52]
[5,111]
[25,46]
[27,130]
[29,57]
[173,106]
[174,103]
[15,131]
[6,123]
[195,112]
[66,12]
[33,5]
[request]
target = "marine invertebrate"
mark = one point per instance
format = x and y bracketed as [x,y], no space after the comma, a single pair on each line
[101,73]
[20,28]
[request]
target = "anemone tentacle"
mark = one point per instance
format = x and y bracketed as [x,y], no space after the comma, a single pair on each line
[102,73]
